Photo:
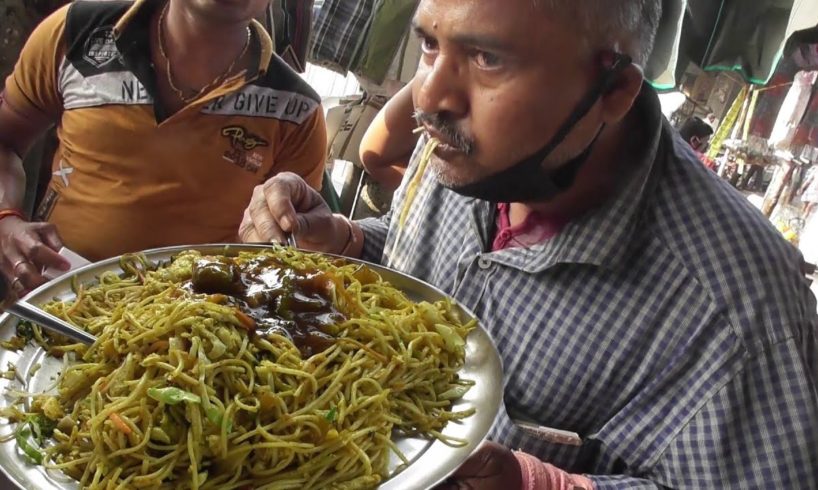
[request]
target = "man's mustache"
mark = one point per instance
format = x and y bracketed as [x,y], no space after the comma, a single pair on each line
[457,139]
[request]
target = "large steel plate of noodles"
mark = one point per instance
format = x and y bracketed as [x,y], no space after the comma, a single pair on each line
[430,459]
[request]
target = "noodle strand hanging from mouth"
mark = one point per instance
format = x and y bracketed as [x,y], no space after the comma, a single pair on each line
[414,184]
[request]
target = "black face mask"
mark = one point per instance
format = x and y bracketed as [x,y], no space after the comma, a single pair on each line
[528,181]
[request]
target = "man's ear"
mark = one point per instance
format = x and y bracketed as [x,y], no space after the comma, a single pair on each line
[617,102]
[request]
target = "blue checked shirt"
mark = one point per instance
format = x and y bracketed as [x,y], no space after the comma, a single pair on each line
[672,328]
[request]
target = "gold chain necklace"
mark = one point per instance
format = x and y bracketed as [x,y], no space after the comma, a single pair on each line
[169,74]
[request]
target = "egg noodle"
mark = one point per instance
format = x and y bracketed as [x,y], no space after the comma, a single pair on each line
[417,178]
[414,184]
[179,391]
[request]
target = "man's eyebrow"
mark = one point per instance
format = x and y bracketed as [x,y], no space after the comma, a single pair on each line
[466,39]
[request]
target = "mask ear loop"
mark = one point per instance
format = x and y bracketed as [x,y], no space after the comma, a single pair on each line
[564,176]
[602,87]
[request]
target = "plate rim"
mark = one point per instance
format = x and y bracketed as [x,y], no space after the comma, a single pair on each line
[460,455]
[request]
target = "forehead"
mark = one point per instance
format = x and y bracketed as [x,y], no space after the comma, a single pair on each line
[516,24]
[465,9]
[517,29]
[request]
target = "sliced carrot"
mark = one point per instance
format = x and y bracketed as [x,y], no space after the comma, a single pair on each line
[157,346]
[219,299]
[366,349]
[248,323]
[120,424]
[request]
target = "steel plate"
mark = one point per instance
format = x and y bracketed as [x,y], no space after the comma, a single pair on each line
[432,461]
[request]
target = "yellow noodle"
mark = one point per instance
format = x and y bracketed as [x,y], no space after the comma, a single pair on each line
[266,417]
[414,184]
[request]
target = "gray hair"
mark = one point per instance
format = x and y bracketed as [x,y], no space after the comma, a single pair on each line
[632,24]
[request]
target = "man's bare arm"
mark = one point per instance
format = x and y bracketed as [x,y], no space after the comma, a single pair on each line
[27,248]
[17,133]
[388,143]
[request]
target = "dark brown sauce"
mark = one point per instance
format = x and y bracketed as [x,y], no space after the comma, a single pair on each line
[296,304]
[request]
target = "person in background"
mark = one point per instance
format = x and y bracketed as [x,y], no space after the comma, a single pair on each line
[697,133]
[169,113]
[655,330]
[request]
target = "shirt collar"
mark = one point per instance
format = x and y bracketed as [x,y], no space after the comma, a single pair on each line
[134,23]
[602,236]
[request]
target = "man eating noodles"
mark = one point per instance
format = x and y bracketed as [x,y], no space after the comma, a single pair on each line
[169,113]
[655,330]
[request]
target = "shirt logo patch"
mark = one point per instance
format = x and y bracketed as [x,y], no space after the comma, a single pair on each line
[63,172]
[242,144]
[100,48]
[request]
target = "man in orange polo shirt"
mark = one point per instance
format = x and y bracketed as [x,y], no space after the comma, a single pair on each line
[169,114]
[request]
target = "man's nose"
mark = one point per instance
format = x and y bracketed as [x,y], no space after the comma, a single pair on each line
[443,89]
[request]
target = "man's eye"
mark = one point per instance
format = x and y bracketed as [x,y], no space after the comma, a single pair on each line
[428,45]
[487,61]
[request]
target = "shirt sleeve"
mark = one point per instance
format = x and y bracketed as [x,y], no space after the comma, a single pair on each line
[304,150]
[759,431]
[375,232]
[34,84]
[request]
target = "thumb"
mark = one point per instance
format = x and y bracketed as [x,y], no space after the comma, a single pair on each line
[312,223]
[49,236]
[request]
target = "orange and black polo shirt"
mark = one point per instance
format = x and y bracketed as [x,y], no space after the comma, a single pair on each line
[127,176]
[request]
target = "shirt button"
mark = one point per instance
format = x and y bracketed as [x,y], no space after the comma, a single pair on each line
[484,263]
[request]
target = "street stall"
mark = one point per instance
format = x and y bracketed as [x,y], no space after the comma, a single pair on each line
[772,145]
[752,76]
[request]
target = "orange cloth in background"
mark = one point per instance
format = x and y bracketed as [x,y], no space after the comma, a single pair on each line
[126,180]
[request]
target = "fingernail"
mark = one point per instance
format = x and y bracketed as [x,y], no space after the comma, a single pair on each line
[286,224]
